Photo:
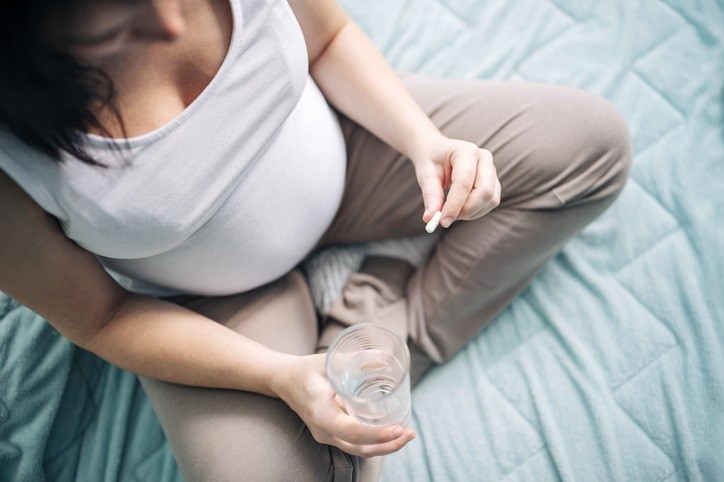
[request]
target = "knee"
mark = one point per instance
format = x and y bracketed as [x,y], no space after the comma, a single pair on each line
[586,146]
[606,145]
[258,443]
[273,463]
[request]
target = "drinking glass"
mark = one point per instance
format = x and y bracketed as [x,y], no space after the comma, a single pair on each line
[368,366]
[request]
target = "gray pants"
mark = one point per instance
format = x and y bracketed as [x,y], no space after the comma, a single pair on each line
[562,156]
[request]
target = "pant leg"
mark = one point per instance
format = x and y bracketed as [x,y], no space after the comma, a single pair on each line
[230,435]
[562,156]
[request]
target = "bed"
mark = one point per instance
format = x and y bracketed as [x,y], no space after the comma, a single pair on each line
[609,366]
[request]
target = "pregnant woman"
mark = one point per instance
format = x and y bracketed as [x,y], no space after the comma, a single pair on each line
[165,165]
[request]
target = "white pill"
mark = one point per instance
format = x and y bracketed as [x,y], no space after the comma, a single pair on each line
[432,225]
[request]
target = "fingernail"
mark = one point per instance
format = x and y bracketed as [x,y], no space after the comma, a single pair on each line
[412,435]
[398,432]
[447,222]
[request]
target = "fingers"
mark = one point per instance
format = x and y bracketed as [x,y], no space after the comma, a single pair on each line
[475,188]
[482,200]
[332,425]
[350,430]
[388,440]
[340,403]
[432,192]
[379,449]
[364,440]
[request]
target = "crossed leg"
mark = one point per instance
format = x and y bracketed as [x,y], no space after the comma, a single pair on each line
[562,156]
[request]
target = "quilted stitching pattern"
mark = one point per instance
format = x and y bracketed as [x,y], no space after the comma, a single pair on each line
[591,359]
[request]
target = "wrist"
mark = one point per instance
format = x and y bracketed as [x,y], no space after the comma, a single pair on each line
[420,145]
[283,375]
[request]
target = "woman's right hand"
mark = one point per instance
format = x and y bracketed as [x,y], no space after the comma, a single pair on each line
[303,385]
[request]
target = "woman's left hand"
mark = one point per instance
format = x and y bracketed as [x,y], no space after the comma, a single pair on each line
[467,170]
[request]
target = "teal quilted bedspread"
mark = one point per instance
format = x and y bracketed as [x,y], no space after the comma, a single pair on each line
[610,366]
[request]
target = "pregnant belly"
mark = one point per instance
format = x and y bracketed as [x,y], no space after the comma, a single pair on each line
[271,220]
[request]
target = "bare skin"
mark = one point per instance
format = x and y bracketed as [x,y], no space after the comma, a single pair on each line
[160,55]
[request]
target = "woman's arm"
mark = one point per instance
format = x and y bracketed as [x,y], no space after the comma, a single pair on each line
[66,284]
[358,81]
[43,269]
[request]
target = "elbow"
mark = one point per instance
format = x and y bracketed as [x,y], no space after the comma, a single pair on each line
[92,335]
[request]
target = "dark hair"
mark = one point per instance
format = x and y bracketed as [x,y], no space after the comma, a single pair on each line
[46,96]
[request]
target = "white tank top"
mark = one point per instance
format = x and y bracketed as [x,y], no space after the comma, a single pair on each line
[229,195]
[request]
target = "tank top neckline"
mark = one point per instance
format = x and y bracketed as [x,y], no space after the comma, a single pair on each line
[96,140]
